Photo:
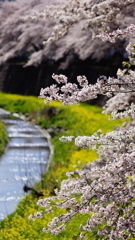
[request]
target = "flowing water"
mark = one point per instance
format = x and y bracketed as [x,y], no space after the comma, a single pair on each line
[23,162]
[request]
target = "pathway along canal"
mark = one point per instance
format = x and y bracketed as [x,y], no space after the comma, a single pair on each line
[23,162]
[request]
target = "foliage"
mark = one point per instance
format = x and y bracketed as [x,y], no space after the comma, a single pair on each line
[79,120]
[3,137]
[20,104]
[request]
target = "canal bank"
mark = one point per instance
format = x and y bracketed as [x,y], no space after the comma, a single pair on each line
[74,120]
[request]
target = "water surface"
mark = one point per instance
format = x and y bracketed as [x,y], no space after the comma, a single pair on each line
[23,162]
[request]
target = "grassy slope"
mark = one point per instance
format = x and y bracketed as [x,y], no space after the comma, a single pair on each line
[74,120]
[3,137]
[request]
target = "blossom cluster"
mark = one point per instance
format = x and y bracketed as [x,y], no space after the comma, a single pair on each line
[70,94]
[119,33]
[75,20]
[105,189]
[94,15]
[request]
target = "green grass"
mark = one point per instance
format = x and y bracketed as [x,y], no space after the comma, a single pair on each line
[3,137]
[73,120]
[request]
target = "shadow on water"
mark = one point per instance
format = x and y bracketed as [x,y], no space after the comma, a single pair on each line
[22,164]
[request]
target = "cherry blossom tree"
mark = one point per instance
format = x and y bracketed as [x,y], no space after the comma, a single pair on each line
[21,38]
[76,21]
[104,189]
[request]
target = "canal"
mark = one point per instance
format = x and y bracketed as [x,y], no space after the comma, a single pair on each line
[23,163]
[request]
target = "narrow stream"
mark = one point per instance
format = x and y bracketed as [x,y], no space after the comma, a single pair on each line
[23,162]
